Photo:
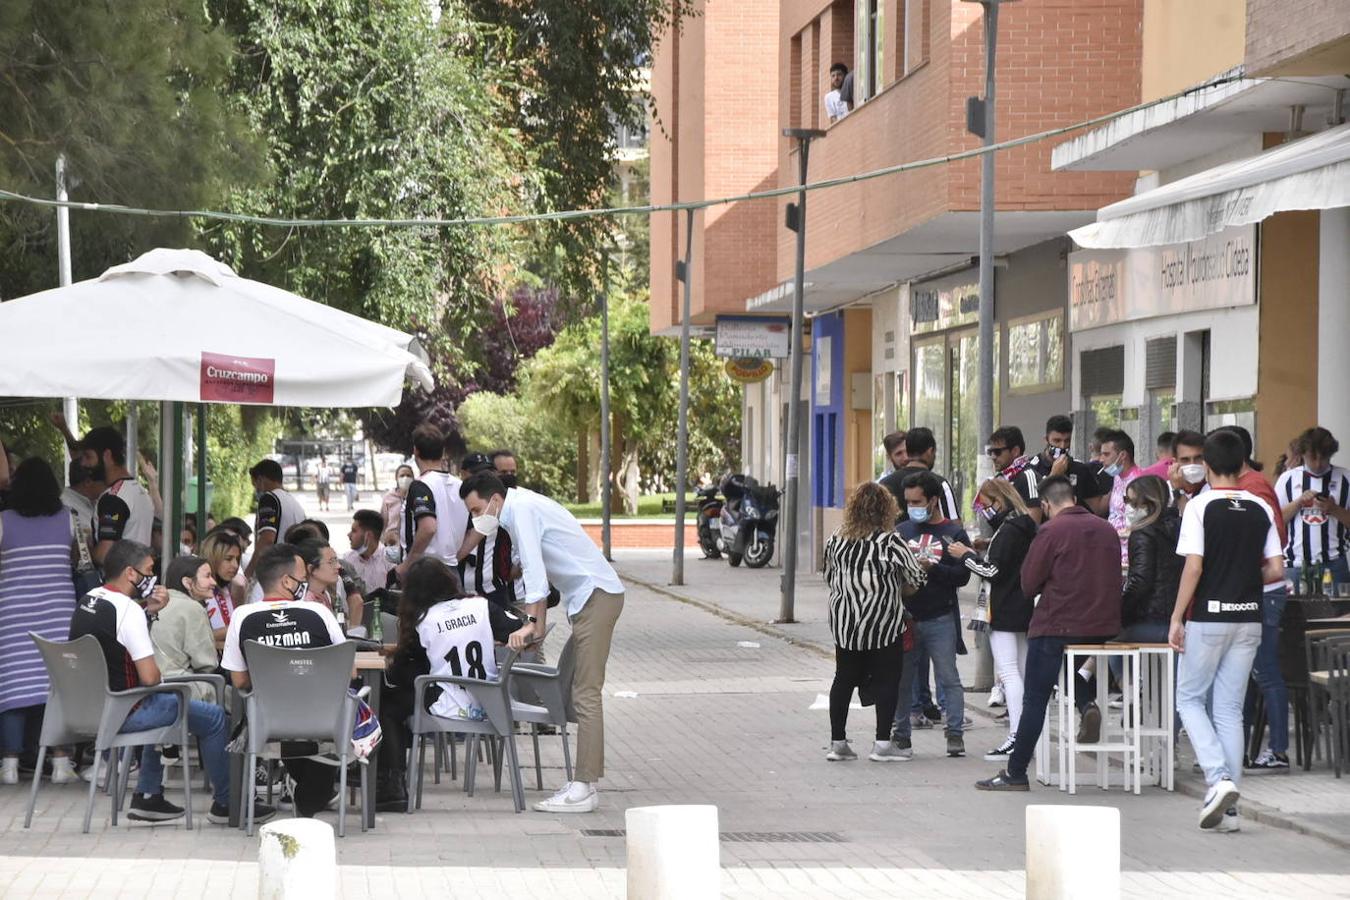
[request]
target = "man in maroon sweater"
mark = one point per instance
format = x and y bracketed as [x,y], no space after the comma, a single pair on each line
[1074,564]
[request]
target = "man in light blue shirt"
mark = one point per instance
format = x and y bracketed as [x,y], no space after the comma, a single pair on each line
[553,549]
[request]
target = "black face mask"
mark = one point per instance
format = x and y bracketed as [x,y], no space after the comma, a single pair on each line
[508,479]
[97,472]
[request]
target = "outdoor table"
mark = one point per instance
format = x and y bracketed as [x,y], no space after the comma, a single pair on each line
[1302,613]
[370,665]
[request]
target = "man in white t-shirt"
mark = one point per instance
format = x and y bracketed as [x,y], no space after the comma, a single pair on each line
[124,510]
[283,619]
[835,107]
[435,520]
[323,480]
[1232,548]
[119,616]
[277,509]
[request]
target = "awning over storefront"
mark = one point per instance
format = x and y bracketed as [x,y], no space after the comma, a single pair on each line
[1310,173]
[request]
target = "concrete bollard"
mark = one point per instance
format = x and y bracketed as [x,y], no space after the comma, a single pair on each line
[673,853]
[1073,851]
[297,860]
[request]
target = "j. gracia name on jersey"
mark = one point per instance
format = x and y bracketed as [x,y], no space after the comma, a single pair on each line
[447,625]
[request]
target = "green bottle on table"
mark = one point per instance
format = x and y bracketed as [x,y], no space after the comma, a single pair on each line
[376,626]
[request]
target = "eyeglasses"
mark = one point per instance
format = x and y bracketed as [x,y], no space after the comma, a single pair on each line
[991,452]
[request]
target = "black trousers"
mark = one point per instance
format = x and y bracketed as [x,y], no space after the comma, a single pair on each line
[314,785]
[877,674]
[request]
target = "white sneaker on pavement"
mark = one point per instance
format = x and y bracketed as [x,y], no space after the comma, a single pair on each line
[996,697]
[574,797]
[886,751]
[1220,798]
[9,770]
[63,770]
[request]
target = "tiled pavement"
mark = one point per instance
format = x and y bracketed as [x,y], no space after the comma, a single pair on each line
[712,722]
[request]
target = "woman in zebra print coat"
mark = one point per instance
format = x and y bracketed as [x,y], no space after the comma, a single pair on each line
[868,568]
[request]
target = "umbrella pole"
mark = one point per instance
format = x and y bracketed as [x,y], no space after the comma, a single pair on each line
[168,479]
[201,469]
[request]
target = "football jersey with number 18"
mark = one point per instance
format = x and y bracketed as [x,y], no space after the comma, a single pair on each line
[459,637]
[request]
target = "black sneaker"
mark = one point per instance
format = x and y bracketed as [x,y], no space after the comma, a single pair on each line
[1002,782]
[153,808]
[900,741]
[1267,761]
[1090,726]
[1001,752]
[220,813]
[932,713]
[956,745]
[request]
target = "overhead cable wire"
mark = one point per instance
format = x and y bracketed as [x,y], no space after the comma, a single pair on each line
[567,215]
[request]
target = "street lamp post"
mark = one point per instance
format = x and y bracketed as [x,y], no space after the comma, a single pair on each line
[606,467]
[980,121]
[685,275]
[796,220]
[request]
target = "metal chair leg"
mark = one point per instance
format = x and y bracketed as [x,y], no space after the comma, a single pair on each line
[37,780]
[93,791]
[495,748]
[367,794]
[187,771]
[120,799]
[567,752]
[450,746]
[538,765]
[414,773]
[421,764]
[436,756]
[342,796]
[246,801]
[471,757]
[517,789]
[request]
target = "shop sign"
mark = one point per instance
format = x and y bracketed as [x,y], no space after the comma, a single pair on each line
[1110,286]
[945,302]
[749,371]
[753,337]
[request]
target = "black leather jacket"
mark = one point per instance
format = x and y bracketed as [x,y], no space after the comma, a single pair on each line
[1154,571]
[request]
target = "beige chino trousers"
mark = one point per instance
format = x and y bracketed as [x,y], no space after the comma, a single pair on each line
[592,632]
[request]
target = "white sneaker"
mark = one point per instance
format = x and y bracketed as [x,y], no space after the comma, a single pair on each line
[63,770]
[96,769]
[9,770]
[886,751]
[840,751]
[1220,798]
[574,797]
[1228,824]
[996,697]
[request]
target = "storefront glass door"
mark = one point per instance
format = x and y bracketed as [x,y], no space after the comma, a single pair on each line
[946,376]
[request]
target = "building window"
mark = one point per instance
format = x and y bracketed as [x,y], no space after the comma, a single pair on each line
[912,35]
[869,38]
[795,74]
[1036,353]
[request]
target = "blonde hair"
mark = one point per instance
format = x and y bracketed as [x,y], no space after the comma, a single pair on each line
[216,544]
[1002,489]
[870,508]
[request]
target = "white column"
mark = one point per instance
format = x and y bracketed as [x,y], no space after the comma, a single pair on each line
[1073,851]
[297,858]
[673,853]
[1333,324]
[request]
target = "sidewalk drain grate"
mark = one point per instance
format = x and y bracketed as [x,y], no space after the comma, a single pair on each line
[744,837]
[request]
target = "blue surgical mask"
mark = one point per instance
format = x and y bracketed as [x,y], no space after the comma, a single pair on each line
[1113,470]
[919,514]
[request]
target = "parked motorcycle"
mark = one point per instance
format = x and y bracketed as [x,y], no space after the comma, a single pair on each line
[710,522]
[749,521]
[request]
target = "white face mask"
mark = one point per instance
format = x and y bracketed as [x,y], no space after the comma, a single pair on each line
[393,553]
[1193,473]
[1135,514]
[404,482]
[487,524]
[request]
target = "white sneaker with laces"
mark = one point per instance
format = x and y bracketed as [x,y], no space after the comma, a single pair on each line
[1220,798]
[63,770]
[840,751]
[886,751]
[9,770]
[1228,824]
[574,797]
[996,697]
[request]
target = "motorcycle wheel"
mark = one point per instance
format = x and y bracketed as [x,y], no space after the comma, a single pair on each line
[758,555]
[734,559]
[710,550]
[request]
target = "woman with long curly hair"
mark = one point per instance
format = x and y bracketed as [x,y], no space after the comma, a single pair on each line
[868,568]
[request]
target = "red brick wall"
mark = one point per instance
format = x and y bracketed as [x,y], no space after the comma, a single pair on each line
[642,535]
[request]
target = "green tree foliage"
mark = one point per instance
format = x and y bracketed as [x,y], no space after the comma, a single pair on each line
[576,75]
[371,108]
[546,455]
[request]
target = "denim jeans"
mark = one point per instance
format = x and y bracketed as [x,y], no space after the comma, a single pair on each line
[1266,670]
[1218,658]
[1045,657]
[206,721]
[935,638]
[1138,633]
[13,726]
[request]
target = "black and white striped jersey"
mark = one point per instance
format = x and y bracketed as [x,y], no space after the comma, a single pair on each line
[1314,537]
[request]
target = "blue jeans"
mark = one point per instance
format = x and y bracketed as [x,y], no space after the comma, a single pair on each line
[1266,670]
[206,721]
[1218,658]
[1138,633]
[935,638]
[13,725]
[1045,657]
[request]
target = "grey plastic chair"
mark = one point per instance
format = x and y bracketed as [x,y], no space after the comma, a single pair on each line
[545,695]
[300,694]
[80,707]
[499,728]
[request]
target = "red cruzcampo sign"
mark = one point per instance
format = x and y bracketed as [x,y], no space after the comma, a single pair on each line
[237,379]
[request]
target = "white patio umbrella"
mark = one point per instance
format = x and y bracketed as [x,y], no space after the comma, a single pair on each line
[178,326]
